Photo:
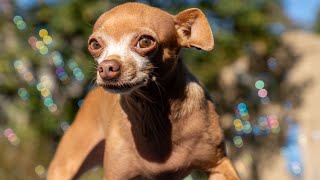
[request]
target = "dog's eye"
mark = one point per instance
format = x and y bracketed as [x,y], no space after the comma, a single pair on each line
[145,42]
[94,44]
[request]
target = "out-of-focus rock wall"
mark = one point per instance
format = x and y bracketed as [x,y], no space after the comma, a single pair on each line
[302,86]
[305,76]
[297,106]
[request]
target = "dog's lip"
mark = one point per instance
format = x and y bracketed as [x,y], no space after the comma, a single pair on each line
[123,87]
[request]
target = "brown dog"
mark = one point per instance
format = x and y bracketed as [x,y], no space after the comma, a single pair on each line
[158,122]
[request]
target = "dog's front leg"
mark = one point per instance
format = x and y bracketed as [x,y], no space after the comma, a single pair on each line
[77,143]
[223,171]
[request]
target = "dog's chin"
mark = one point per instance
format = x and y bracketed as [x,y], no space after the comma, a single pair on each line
[124,88]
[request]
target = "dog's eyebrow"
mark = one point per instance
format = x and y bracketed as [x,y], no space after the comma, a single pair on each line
[149,32]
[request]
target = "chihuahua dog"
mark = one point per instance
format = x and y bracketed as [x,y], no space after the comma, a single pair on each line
[150,118]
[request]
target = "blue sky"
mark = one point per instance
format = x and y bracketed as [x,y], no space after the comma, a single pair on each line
[301,12]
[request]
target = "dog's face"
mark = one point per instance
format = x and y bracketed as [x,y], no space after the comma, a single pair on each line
[132,40]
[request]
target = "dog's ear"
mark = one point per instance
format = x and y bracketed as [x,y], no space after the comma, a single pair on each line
[193,29]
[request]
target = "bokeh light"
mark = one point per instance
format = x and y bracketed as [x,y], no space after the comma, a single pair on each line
[64,125]
[272,63]
[47,39]
[57,59]
[238,124]
[259,84]
[77,72]
[265,100]
[80,102]
[39,44]
[24,71]
[247,129]
[23,94]
[262,93]
[44,50]
[11,136]
[238,142]
[20,23]
[53,108]
[33,42]
[17,18]
[43,33]
[40,171]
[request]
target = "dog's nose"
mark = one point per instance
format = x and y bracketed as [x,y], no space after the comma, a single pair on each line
[109,69]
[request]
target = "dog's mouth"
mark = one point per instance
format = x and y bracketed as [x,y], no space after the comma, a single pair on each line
[123,88]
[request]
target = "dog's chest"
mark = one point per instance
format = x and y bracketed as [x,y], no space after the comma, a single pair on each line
[186,145]
[188,149]
[183,158]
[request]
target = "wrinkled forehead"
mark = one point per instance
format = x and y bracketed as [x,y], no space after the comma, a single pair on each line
[131,18]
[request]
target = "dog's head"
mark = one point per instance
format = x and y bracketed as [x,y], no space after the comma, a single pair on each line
[134,43]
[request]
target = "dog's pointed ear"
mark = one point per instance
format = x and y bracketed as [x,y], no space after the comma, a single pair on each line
[193,29]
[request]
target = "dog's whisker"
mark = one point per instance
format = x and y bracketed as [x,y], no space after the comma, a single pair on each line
[93,82]
[158,87]
[159,84]
[154,79]
[141,93]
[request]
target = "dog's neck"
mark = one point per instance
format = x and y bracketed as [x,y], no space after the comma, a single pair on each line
[152,110]
[165,95]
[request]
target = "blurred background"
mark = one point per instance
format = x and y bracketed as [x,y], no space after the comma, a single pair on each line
[263,76]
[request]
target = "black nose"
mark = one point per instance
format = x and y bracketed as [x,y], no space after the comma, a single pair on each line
[109,69]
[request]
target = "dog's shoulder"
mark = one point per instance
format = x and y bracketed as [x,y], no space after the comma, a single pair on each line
[98,97]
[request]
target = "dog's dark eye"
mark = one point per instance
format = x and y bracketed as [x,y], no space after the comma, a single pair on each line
[94,44]
[145,42]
